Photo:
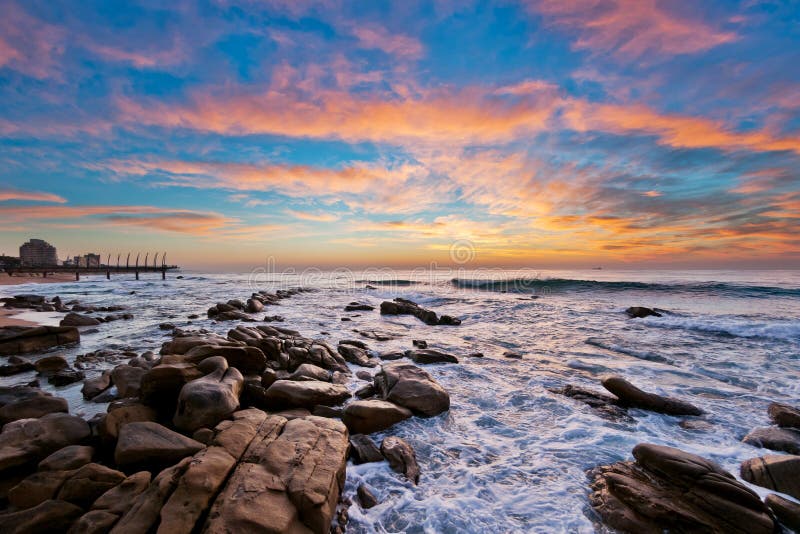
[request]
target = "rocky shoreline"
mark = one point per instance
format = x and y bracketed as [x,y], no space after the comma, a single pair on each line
[254,430]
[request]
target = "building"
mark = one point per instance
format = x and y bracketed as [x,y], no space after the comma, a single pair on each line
[38,252]
[8,262]
[87,260]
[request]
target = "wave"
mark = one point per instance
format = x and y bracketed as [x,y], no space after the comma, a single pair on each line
[614,347]
[547,285]
[388,282]
[731,326]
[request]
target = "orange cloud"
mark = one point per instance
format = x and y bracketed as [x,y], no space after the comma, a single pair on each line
[376,37]
[36,196]
[170,220]
[630,28]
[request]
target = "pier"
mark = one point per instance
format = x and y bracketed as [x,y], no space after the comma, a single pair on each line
[106,268]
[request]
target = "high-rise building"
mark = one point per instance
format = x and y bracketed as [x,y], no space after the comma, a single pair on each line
[38,252]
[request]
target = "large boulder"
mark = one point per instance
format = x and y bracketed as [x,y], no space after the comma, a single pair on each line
[307,371]
[37,488]
[128,380]
[667,489]
[76,319]
[253,306]
[49,516]
[401,457]
[363,450]
[368,416]
[206,401]
[426,356]
[92,387]
[93,522]
[161,385]
[50,365]
[22,339]
[787,512]
[117,417]
[248,360]
[66,458]
[776,439]
[401,306]
[28,441]
[356,355]
[148,444]
[289,480]
[305,394]
[631,396]
[409,386]
[121,497]
[784,415]
[182,344]
[88,483]
[776,472]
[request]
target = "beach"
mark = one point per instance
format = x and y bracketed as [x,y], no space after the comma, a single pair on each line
[512,449]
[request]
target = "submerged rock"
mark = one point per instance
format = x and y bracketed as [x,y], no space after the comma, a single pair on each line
[401,457]
[428,356]
[605,405]
[401,306]
[365,497]
[640,312]
[667,489]
[630,395]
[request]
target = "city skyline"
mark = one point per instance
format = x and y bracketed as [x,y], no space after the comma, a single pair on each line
[534,133]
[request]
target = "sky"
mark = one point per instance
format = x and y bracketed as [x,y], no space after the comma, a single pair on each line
[535,133]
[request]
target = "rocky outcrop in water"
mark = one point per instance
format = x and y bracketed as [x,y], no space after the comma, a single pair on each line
[640,312]
[400,306]
[774,438]
[776,472]
[429,356]
[631,396]
[368,416]
[784,415]
[23,340]
[666,489]
[411,387]
[401,457]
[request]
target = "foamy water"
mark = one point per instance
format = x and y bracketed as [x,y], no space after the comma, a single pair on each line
[510,456]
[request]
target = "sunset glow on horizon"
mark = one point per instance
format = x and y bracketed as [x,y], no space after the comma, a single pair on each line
[543,133]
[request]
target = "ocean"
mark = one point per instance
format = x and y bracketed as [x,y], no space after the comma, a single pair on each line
[510,455]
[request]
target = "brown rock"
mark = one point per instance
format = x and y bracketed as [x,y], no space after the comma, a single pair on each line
[776,472]
[427,356]
[787,512]
[401,457]
[88,483]
[92,387]
[32,408]
[206,401]
[70,457]
[76,319]
[363,450]
[306,394]
[366,497]
[119,499]
[23,340]
[37,488]
[667,489]
[50,364]
[248,360]
[639,312]
[48,517]
[150,444]
[356,355]
[776,439]
[94,522]
[128,380]
[146,507]
[235,436]
[196,489]
[109,427]
[162,384]
[407,385]
[368,416]
[307,371]
[28,441]
[630,395]
[784,415]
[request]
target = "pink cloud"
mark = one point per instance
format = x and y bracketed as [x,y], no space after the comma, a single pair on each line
[630,28]
[29,45]
[377,37]
[36,196]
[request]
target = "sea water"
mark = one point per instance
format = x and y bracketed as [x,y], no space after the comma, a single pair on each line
[509,455]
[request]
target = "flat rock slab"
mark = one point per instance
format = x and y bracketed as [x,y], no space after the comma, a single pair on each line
[776,439]
[630,395]
[22,340]
[368,416]
[776,472]
[289,479]
[305,394]
[148,443]
[667,489]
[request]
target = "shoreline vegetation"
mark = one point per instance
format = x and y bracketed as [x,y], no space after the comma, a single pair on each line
[254,430]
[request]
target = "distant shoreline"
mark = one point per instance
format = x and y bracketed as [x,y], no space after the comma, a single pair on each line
[54,278]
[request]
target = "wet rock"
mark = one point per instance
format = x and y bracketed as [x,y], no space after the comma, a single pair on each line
[64,377]
[406,307]
[161,385]
[180,344]
[630,395]
[407,385]
[379,336]
[28,441]
[475,355]
[363,450]
[206,401]
[273,319]
[512,355]
[150,444]
[368,416]
[776,472]
[51,364]
[128,380]
[365,391]
[364,375]
[49,516]
[365,497]
[166,326]
[784,415]
[327,411]
[248,360]
[67,458]
[76,319]
[203,435]
[419,343]
[37,488]
[667,489]
[605,405]
[88,483]
[308,371]
[776,439]
[146,507]
[15,366]
[639,312]
[289,480]
[94,522]
[401,457]
[32,407]
[427,356]
[22,339]
[253,306]
[787,512]
[305,394]
[358,306]
[196,489]
[92,387]
[120,498]
[356,355]
[392,355]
